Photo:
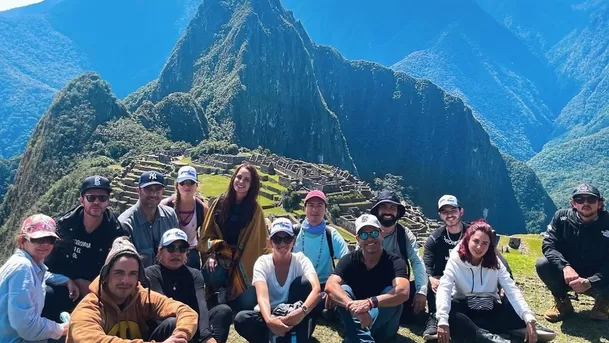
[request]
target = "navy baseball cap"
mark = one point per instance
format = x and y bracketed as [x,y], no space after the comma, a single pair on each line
[95,182]
[150,178]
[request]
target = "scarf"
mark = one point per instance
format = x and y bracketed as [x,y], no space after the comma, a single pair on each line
[315,230]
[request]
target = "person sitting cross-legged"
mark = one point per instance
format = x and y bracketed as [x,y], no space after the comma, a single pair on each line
[369,287]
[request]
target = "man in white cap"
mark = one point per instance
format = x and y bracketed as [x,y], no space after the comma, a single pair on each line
[369,286]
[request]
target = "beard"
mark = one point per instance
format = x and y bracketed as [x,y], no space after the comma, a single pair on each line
[388,220]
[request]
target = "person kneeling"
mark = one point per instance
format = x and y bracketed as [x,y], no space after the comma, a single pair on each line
[467,298]
[369,287]
[287,289]
[173,278]
[120,307]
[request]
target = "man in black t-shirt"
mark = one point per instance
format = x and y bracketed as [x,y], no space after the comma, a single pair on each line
[86,234]
[369,286]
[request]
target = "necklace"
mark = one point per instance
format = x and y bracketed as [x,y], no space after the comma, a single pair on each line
[321,245]
[449,239]
[188,218]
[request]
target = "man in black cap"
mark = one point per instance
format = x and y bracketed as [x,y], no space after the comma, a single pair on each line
[147,219]
[400,241]
[86,234]
[576,254]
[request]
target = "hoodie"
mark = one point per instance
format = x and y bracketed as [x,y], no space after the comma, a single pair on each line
[98,318]
[461,280]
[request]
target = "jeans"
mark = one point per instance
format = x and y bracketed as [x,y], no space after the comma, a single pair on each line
[193,259]
[385,322]
[218,279]
[553,277]
[251,326]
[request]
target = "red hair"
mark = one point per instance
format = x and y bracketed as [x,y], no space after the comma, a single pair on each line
[489,260]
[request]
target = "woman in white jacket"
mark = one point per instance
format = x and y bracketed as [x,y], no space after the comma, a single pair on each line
[468,301]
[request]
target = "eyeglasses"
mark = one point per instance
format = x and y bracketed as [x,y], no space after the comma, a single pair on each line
[100,197]
[364,235]
[285,239]
[182,248]
[590,200]
[44,240]
[187,183]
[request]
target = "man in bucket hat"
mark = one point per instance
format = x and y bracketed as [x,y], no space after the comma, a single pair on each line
[576,254]
[120,306]
[400,241]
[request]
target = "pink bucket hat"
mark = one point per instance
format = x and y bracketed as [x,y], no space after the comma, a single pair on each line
[38,226]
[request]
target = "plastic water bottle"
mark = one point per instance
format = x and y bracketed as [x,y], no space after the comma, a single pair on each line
[293,340]
[64,317]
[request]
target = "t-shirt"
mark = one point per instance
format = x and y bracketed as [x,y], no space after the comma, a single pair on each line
[264,270]
[315,247]
[233,226]
[368,283]
[438,247]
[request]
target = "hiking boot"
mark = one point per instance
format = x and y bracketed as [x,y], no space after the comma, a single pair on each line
[431,328]
[543,333]
[561,309]
[483,336]
[600,309]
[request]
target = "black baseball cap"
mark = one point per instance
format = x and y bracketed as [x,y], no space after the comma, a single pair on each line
[586,189]
[95,182]
[150,178]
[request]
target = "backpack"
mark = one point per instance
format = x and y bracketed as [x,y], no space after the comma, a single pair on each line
[296,230]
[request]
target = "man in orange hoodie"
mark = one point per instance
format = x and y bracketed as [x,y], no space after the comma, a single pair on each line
[119,309]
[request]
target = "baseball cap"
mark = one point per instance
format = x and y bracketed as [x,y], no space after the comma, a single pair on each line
[450,200]
[171,236]
[187,173]
[366,220]
[95,182]
[38,226]
[151,178]
[316,194]
[586,189]
[282,225]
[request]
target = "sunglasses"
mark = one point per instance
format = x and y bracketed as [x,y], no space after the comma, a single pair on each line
[187,183]
[590,200]
[364,235]
[285,239]
[182,248]
[100,197]
[44,240]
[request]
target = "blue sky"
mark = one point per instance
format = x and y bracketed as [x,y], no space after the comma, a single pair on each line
[8,4]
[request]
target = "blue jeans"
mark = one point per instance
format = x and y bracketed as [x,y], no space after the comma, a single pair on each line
[219,278]
[385,322]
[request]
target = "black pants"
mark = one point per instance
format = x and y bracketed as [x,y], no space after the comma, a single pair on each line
[553,277]
[251,326]
[162,329]
[220,319]
[57,300]
[464,322]
[193,259]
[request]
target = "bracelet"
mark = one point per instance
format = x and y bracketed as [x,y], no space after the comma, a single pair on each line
[370,303]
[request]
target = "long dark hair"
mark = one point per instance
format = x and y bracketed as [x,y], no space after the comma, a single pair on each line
[489,260]
[229,198]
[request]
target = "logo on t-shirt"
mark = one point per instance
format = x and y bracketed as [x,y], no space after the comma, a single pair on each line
[78,245]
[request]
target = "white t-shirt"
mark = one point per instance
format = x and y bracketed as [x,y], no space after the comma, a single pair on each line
[264,270]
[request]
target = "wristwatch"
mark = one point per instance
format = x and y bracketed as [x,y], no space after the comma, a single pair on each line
[305,309]
[375,302]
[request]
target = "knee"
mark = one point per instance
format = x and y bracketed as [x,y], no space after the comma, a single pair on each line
[169,322]
[542,265]
[241,320]
[225,313]
[348,290]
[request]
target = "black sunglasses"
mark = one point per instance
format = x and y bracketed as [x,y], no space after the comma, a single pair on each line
[44,240]
[100,197]
[278,239]
[364,235]
[590,200]
[182,248]
[187,183]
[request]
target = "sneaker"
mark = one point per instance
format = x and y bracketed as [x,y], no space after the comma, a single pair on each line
[431,328]
[600,309]
[561,309]
[543,333]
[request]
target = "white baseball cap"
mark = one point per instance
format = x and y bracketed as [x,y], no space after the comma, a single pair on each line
[282,225]
[366,220]
[187,173]
[171,236]
[450,200]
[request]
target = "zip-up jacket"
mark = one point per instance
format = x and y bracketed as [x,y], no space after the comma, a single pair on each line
[79,254]
[462,279]
[583,246]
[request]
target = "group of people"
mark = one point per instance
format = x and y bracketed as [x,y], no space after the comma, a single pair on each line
[180,270]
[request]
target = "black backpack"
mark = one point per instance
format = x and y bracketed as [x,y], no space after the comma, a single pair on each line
[328,239]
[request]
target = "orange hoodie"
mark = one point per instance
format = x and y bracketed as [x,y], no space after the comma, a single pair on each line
[103,322]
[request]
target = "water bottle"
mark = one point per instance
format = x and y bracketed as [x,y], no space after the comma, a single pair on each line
[64,317]
[293,340]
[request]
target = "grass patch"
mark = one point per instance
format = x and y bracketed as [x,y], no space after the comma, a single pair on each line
[187,160]
[264,201]
[213,185]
